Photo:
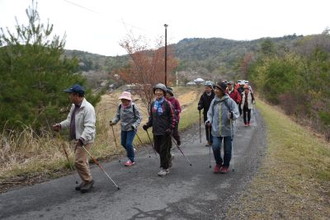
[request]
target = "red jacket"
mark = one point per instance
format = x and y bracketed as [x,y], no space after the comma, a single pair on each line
[234,95]
[176,106]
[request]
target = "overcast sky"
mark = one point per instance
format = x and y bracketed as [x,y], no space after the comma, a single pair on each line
[97,26]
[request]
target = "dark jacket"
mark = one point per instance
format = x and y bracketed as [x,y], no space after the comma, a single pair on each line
[161,122]
[204,103]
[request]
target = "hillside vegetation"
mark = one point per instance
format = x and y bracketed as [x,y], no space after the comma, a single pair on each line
[293,181]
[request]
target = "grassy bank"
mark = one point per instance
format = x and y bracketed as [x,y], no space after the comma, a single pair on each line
[26,159]
[294,180]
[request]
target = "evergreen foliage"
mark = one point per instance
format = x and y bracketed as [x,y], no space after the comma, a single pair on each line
[33,74]
[297,78]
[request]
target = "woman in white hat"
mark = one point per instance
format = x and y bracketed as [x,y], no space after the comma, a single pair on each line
[130,118]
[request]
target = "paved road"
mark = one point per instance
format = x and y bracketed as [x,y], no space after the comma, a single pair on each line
[188,192]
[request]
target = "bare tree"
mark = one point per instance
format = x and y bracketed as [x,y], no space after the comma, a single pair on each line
[146,66]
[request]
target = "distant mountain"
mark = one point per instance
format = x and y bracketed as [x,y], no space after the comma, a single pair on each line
[203,56]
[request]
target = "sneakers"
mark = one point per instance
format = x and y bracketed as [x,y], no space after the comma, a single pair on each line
[170,164]
[224,170]
[246,124]
[129,163]
[217,168]
[163,172]
[87,186]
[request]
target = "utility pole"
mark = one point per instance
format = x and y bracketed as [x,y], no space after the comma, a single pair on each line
[165,25]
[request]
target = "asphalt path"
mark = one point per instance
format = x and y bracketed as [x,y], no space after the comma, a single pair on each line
[188,192]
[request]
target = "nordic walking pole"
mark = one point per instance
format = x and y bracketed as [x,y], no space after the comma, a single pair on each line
[114,137]
[181,151]
[142,143]
[209,137]
[152,144]
[66,155]
[232,144]
[99,165]
[200,127]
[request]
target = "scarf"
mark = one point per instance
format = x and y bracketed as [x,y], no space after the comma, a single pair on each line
[158,106]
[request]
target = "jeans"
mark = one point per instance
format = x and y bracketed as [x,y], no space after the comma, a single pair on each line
[127,138]
[209,136]
[216,147]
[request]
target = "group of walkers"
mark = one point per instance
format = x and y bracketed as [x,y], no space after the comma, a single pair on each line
[220,104]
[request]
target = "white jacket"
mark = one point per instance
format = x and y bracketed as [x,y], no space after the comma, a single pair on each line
[85,120]
[250,100]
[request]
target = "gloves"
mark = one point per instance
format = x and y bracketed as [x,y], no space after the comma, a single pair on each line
[57,127]
[112,123]
[199,108]
[168,131]
[145,127]
[230,115]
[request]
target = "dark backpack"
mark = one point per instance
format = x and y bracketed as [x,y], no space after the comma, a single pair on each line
[119,107]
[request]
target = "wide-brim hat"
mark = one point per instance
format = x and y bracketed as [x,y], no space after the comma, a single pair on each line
[170,91]
[160,86]
[222,86]
[126,95]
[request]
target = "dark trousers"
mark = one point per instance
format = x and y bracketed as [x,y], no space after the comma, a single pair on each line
[163,144]
[175,133]
[246,115]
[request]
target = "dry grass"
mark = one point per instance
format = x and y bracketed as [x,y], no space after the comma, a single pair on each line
[293,182]
[25,155]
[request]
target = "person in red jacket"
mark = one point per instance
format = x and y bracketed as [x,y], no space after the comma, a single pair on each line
[233,93]
[177,110]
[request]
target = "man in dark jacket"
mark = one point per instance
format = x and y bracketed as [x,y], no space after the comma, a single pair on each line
[204,103]
[162,121]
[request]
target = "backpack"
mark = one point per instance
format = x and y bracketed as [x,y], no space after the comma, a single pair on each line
[133,105]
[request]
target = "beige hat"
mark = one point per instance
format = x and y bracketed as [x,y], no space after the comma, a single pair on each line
[126,95]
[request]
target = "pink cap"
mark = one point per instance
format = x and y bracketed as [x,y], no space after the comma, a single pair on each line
[126,95]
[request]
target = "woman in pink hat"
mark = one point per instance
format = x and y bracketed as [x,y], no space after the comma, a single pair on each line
[130,118]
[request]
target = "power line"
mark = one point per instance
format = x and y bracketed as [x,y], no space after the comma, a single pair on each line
[80,6]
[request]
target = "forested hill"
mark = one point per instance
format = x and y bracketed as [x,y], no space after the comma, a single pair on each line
[202,55]
[218,55]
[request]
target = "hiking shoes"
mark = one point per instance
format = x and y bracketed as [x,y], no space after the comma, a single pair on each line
[217,168]
[87,187]
[129,163]
[163,172]
[170,163]
[79,186]
[224,170]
